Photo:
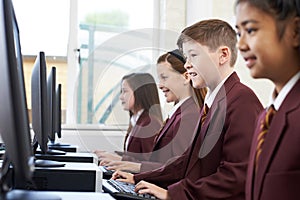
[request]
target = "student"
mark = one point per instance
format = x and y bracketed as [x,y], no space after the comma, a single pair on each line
[269,42]
[177,133]
[215,165]
[139,96]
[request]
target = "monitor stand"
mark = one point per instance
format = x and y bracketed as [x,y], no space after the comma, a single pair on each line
[57,144]
[29,195]
[48,163]
[51,152]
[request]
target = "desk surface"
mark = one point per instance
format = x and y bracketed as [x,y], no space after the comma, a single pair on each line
[64,195]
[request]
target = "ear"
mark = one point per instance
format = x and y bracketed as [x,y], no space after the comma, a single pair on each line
[187,78]
[296,32]
[224,55]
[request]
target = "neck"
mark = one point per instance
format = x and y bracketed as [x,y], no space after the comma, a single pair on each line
[224,72]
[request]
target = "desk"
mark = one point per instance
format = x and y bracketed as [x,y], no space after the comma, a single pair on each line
[41,195]
[70,157]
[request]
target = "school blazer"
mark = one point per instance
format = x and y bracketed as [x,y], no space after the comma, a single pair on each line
[175,137]
[278,172]
[215,166]
[141,140]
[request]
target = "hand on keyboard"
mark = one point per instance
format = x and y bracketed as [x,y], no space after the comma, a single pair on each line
[123,176]
[127,190]
[144,187]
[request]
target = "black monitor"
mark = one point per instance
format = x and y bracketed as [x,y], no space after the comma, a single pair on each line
[51,91]
[39,103]
[54,92]
[56,110]
[14,123]
[41,100]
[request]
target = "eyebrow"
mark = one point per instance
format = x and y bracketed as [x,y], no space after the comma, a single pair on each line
[244,23]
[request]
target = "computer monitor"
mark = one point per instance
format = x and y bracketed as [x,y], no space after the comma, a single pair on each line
[54,92]
[14,123]
[57,121]
[42,100]
[51,91]
[14,126]
[39,103]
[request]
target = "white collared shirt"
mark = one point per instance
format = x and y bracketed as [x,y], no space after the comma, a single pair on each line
[176,106]
[133,120]
[211,95]
[277,101]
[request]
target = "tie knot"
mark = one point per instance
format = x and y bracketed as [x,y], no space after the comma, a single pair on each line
[269,115]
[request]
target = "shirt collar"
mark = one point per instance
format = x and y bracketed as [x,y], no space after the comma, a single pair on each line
[134,118]
[176,106]
[211,95]
[277,100]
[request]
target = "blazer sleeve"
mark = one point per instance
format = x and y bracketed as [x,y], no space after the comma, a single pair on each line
[172,171]
[229,178]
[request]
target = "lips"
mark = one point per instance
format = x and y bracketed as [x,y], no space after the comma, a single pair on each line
[250,61]
[192,74]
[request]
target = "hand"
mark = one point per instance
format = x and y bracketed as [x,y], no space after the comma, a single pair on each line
[123,176]
[107,155]
[144,187]
[122,165]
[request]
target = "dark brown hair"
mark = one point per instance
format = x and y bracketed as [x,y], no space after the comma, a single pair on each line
[145,93]
[212,33]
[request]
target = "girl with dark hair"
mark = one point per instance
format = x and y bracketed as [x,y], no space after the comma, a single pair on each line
[139,96]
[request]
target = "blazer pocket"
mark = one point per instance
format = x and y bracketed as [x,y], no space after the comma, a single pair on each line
[282,185]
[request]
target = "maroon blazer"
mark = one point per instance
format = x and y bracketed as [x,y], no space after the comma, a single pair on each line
[215,166]
[141,139]
[175,137]
[278,172]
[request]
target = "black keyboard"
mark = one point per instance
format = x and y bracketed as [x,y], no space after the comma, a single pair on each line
[106,172]
[122,190]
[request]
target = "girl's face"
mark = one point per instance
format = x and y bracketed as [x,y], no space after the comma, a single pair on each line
[171,82]
[127,97]
[266,55]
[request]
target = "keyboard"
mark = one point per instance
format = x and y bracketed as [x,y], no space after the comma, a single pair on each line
[122,190]
[106,172]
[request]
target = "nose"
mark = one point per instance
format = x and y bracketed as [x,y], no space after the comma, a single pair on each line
[160,85]
[187,65]
[242,44]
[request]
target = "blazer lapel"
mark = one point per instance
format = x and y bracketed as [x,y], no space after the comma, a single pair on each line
[250,171]
[166,127]
[213,125]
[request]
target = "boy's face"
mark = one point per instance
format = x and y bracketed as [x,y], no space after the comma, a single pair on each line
[265,54]
[201,64]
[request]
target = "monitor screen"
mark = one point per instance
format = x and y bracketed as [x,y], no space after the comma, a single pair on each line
[51,87]
[39,101]
[14,123]
[43,100]
[57,120]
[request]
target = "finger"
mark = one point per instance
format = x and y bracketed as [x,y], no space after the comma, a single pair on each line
[145,190]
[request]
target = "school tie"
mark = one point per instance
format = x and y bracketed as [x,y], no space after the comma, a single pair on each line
[264,127]
[204,114]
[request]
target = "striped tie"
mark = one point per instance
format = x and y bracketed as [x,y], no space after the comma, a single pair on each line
[264,127]
[204,114]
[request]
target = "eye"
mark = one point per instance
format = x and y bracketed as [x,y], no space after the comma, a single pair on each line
[250,30]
